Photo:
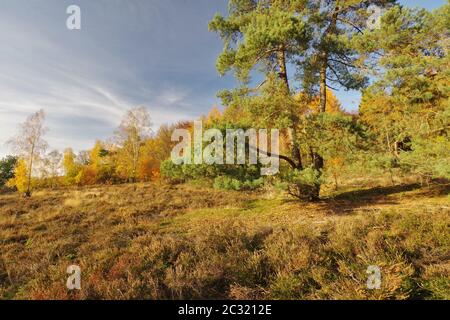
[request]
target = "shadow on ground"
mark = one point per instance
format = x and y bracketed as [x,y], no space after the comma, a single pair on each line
[369,199]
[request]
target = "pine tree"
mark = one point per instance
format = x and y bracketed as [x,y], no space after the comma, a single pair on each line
[408,104]
[7,166]
[275,36]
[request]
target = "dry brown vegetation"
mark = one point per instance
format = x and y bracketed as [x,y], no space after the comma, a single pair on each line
[159,241]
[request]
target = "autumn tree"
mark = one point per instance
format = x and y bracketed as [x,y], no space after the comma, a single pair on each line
[88,167]
[131,134]
[163,144]
[50,167]
[148,165]
[214,116]
[101,162]
[20,179]
[407,104]
[29,144]
[333,104]
[71,166]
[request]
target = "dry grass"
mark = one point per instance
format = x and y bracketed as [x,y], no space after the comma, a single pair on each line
[156,241]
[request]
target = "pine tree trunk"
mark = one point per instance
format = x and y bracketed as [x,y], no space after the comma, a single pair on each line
[296,154]
[292,132]
[281,56]
[317,159]
[323,84]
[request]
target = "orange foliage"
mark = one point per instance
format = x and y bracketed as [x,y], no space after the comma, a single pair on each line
[214,116]
[333,105]
[87,176]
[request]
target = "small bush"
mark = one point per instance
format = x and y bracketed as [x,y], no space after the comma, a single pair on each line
[229,183]
[302,184]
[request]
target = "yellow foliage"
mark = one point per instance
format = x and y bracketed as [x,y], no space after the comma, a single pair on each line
[95,156]
[148,167]
[69,160]
[124,165]
[70,166]
[86,176]
[333,105]
[20,177]
[213,117]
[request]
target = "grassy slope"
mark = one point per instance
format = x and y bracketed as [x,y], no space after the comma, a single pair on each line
[155,241]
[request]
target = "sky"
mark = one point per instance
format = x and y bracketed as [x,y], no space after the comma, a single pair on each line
[153,53]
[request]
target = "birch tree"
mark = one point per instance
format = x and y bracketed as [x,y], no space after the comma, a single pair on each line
[132,132]
[29,144]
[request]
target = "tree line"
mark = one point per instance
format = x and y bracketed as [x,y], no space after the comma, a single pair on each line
[133,154]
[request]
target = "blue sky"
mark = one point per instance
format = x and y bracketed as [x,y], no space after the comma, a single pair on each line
[156,53]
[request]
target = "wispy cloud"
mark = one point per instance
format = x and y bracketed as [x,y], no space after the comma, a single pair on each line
[130,53]
[127,54]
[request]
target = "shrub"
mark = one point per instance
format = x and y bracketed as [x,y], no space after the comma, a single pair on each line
[228,177]
[429,158]
[302,184]
[229,183]
[172,172]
